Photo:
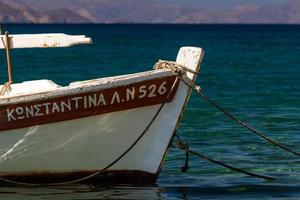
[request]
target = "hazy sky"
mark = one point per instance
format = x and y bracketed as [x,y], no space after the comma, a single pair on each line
[224,3]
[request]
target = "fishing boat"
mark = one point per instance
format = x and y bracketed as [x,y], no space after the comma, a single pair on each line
[107,130]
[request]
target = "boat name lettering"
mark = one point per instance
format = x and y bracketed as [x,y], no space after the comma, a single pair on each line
[87,101]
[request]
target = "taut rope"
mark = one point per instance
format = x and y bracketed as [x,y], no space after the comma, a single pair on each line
[180,72]
[182,145]
[174,67]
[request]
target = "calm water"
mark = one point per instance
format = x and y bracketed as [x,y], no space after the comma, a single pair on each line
[253,71]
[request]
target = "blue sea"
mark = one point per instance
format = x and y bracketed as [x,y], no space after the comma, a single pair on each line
[253,71]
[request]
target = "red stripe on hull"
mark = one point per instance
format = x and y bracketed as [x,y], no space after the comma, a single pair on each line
[81,105]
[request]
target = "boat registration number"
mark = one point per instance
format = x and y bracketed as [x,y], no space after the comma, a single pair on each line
[135,95]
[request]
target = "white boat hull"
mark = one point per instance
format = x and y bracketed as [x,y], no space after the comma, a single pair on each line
[74,148]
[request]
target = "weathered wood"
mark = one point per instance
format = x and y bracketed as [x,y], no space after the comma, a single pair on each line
[8,58]
[44,40]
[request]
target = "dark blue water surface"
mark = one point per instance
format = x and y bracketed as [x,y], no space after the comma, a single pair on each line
[253,71]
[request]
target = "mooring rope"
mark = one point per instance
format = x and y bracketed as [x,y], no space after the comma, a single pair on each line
[112,163]
[175,68]
[182,145]
[180,72]
[253,130]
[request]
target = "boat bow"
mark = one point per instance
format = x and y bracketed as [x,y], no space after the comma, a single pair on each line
[43,140]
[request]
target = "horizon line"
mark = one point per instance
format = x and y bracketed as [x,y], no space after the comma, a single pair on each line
[132,23]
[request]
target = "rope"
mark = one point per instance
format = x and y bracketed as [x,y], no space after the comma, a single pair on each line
[179,71]
[5,88]
[182,145]
[253,130]
[174,67]
[112,163]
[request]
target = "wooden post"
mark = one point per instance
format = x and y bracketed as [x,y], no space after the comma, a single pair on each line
[8,57]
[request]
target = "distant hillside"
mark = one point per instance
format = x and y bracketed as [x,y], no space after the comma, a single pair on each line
[140,11]
[15,12]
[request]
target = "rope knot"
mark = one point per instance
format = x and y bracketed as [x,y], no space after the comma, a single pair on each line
[182,145]
[175,67]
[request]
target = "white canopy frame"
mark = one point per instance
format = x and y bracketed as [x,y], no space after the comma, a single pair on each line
[49,40]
